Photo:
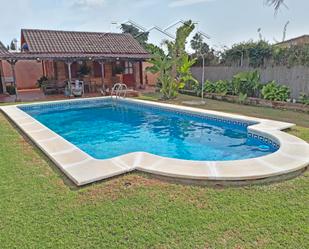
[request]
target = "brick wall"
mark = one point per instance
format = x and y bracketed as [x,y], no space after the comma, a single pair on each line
[27,73]
[149,78]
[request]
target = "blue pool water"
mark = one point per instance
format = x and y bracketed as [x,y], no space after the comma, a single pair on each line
[106,130]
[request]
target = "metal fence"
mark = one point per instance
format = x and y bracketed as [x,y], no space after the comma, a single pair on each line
[296,78]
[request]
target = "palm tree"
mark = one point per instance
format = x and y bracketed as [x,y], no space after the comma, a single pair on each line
[276,3]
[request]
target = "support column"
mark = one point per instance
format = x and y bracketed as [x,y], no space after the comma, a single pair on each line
[69,63]
[102,73]
[141,78]
[203,77]
[2,79]
[13,63]
[43,68]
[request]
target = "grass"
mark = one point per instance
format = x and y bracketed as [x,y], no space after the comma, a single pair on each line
[40,208]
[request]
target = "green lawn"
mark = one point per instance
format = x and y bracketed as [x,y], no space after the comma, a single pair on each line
[40,208]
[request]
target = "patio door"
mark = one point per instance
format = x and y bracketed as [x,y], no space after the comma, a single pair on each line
[128,75]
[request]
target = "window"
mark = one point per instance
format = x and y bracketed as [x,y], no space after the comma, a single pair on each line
[128,67]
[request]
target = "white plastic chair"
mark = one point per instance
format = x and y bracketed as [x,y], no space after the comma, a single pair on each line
[78,89]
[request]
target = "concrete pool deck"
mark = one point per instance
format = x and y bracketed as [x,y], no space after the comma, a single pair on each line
[81,168]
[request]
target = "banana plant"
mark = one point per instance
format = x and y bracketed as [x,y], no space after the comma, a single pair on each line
[162,65]
[184,71]
[174,68]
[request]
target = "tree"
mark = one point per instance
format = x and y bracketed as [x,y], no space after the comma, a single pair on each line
[176,49]
[163,65]
[12,45]
[198,45]
[140,36]
[254,52]
[154,49]
[174,68]
[276,3]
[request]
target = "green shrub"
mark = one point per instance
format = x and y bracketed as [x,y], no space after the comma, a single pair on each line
[191,85]
[221,87]
[209,87]
[273,91]
[41,81]
[246,83]
[304,98]
[242,98]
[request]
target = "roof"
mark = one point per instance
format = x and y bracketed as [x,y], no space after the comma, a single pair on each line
[294,39]
[72,57]
[78,43]
[71,45]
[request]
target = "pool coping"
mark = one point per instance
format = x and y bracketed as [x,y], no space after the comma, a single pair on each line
[81,168]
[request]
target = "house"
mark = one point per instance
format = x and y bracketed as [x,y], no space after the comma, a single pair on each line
[64,56]
[3,52]
[301,40]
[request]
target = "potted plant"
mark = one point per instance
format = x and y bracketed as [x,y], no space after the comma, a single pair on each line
[118,70]
[42,81]
[84,70]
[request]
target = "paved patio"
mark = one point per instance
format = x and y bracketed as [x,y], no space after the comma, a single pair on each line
[33,95]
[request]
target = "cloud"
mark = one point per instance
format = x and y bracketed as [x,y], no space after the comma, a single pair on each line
[181,3]
[145,3]
[88,4]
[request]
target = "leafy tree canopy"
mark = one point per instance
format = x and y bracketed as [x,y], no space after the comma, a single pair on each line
[154,49]
[262,53]
[12,45]
[198,44]
[140,36]
[255,52]
[276,3]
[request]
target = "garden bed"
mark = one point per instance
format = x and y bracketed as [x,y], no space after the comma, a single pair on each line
[253,101]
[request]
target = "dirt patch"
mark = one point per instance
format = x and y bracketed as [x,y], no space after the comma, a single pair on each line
[113,189]
[195,196]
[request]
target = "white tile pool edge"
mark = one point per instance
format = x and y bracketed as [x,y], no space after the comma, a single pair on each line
[81,168]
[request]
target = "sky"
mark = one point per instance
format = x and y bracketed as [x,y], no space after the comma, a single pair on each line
[225,21]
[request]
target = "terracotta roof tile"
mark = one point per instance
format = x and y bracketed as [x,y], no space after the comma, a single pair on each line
[71,56]
[50,41]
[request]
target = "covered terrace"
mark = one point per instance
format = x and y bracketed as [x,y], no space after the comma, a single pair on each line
[108,57]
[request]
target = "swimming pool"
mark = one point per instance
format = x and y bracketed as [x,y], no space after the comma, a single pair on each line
[98,138]
[105,129]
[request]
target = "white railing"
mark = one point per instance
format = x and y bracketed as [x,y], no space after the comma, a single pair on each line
[119,90]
